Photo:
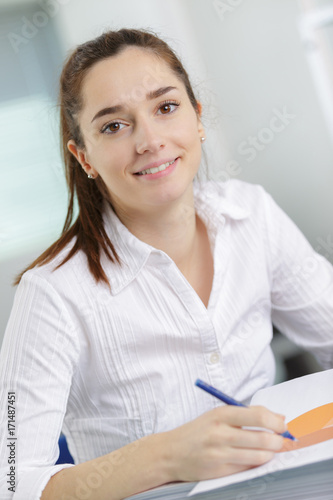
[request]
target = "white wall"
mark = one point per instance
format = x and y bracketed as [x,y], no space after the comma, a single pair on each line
[257,64]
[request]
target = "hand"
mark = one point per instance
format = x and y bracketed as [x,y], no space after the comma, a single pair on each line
[215,445]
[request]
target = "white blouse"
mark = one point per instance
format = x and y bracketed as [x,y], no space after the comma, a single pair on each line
[109,367]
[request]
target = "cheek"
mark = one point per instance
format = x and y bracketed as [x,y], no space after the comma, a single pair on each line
[192,139]
[110,161]
[187,134]
[191,128]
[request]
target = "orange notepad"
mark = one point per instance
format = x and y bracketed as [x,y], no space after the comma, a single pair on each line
[312,427]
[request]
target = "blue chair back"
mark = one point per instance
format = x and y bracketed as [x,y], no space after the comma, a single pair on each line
[65,457]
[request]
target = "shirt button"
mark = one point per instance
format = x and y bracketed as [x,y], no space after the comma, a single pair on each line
[214,358]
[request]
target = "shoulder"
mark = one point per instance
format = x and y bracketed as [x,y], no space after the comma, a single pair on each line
[237,190]
[234,194]
[58,274]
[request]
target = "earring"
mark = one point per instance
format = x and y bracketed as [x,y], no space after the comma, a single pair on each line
[90,176]
[202,139]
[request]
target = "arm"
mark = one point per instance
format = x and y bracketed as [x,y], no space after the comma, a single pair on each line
[38,358]
[213,445]
[302,286]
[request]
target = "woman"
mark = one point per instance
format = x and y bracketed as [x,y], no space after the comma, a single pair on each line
[159,281]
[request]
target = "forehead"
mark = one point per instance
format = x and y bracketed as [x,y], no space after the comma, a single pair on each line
[128,76]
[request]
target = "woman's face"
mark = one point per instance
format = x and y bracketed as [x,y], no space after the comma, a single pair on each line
[141,133]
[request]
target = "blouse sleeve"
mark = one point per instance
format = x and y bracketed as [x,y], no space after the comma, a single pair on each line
[38,357]
[302,286]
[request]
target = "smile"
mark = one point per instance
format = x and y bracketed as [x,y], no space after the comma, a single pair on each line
[156,169]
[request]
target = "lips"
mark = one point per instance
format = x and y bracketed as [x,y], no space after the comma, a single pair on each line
[155,167]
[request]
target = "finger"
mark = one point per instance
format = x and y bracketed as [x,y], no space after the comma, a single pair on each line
[244,456]
[254,416]
[254,439]
[269,420]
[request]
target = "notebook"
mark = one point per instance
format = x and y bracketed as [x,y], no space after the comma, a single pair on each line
[302,470]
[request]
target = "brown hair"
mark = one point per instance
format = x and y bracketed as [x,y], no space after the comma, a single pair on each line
[88,228]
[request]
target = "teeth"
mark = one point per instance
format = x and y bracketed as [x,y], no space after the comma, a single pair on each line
[156,169]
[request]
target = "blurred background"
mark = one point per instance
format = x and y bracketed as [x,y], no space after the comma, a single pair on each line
[263,70]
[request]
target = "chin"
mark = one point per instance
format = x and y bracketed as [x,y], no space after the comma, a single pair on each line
[172,194]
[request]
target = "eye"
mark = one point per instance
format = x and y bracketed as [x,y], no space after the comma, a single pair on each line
[168,107]
[112,128]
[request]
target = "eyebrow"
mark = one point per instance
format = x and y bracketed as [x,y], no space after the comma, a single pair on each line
[119,107]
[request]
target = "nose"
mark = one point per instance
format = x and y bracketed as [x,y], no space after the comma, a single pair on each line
[148,138]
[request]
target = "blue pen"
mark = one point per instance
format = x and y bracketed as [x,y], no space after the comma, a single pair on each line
[230,401]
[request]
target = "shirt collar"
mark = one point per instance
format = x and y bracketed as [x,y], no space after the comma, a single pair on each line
[211,204]
[215,199]
[133,253]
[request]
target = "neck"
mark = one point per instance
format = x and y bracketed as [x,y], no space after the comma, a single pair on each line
[172,229]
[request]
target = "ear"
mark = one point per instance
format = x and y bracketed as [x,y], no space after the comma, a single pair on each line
[81,157]
[201,129]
